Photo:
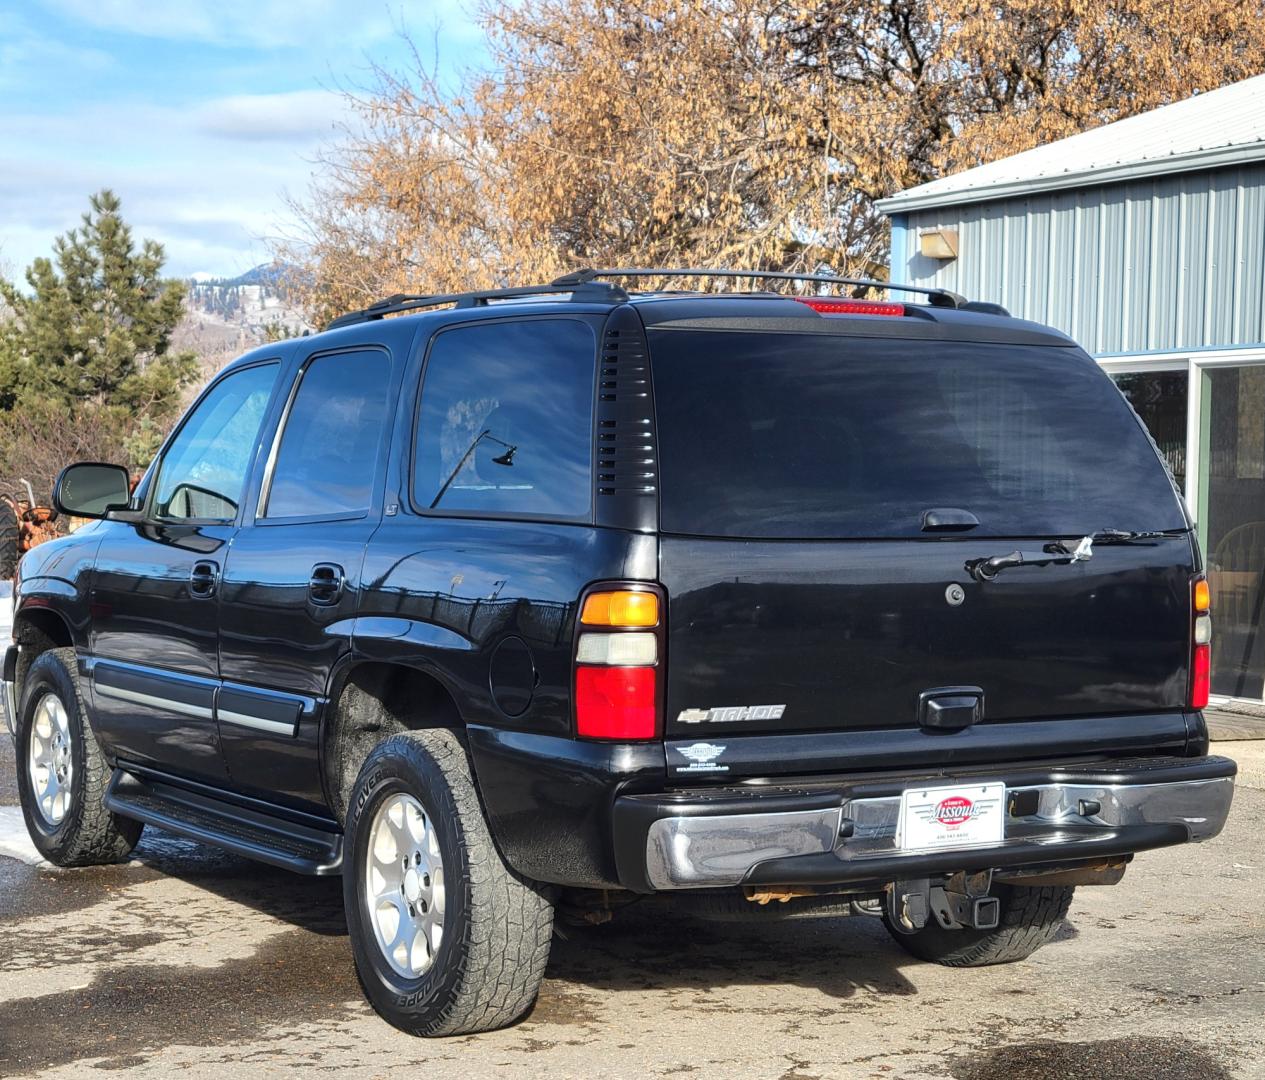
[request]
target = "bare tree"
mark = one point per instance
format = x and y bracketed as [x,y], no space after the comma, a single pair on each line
[756,133]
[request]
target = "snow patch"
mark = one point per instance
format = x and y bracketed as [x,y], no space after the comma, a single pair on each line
[15,841]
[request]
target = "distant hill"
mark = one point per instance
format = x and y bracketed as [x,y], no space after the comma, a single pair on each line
[226,317]
[274,275]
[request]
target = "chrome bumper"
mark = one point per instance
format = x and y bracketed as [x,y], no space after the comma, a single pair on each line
[1061,820]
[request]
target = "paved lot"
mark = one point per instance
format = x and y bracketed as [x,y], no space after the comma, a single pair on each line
[191,963]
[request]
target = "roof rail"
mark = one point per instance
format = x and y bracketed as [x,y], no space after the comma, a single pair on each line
[582,291]
[936,297]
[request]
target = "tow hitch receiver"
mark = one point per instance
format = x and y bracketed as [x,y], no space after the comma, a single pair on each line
[961,902]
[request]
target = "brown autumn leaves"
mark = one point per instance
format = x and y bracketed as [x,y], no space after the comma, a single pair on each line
[750,133]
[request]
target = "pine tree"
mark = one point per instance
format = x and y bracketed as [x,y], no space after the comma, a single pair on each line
[88,342]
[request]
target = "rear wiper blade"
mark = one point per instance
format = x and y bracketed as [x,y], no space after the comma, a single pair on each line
[1059,552]
[1115,536]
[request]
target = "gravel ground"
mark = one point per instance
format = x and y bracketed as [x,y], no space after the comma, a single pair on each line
[190,962]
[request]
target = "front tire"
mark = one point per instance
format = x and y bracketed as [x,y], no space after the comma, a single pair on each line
[447,939]
[1030,917]
[62,774]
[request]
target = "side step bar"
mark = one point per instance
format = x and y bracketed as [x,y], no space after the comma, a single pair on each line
[251,830]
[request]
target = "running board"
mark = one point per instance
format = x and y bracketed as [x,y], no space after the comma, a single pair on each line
[253,831]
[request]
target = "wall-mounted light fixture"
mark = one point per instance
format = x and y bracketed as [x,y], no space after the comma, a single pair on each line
[938,243]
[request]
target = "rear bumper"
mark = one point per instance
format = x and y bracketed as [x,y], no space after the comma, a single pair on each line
[846,833]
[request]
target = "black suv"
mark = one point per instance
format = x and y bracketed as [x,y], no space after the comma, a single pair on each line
[552,598]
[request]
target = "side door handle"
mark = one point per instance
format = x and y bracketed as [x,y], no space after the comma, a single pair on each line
[325,587]
[203,578]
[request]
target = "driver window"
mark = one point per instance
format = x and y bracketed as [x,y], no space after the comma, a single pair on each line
[202,475]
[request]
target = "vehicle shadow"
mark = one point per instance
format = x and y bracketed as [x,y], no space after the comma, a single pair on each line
[308,903]
[652,945]
[655,946]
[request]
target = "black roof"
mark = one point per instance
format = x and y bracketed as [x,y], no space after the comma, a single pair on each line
[943,315]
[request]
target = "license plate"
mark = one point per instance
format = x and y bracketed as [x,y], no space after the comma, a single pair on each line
[965,815]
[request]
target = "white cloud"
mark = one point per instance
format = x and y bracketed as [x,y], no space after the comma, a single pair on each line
[207,182]
[24,53]
[257,23]
[301,115]
[203,174]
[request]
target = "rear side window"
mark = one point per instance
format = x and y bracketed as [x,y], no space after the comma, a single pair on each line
[764,435]
[329,445]
[506,420]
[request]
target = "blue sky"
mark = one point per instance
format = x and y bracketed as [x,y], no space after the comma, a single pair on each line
[200,114]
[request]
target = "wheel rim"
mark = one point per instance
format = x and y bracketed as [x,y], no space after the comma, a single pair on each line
[404,885]
[50,761]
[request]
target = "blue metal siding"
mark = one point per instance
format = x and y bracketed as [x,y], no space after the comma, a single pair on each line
[1173,262]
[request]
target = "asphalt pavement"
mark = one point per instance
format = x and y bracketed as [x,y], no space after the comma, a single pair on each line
[189,962]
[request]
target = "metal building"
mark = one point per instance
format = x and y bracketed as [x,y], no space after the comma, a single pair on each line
[1144,240]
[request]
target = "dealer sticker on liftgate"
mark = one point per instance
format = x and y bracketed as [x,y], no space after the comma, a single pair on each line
[950,817]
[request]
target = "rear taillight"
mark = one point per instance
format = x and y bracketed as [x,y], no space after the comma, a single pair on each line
[831,306]
[1200,642]
[618,664]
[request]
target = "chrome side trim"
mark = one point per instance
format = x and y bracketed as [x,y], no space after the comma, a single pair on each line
[273,727]
[153,701]
[685,852]
[719,850]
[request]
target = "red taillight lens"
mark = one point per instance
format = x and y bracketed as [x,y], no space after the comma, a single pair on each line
[1200,642]
[615,703]
[1200,676]
[830,306]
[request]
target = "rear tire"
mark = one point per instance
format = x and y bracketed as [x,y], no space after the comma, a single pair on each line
[62,775]
[1030,918]
[455,943]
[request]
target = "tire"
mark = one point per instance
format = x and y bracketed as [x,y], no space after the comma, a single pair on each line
[415,791]
[71,828]
[1030,918]
[9,535]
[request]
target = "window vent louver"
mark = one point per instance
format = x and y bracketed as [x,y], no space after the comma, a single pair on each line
[625,452]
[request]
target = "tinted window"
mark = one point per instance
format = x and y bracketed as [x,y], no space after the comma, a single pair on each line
[767,435]
[506,421]
[204,469]
[329,446]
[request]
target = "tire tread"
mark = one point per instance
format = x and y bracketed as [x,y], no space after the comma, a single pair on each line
[97,836]
[507,935]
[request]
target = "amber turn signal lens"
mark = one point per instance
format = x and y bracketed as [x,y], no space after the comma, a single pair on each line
[621,608]
[1203,595]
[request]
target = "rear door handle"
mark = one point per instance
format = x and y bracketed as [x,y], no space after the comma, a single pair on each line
[325,587]
[203,578]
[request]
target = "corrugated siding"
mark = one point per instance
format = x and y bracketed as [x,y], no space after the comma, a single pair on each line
[1154,265]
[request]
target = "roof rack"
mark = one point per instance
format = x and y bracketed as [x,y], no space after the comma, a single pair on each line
[587,286]
[584,291]
[936,297]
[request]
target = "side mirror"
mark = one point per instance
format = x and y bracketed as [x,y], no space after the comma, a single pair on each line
[91,489]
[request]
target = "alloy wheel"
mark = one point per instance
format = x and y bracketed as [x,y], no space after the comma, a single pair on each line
[50,761]
[404,885]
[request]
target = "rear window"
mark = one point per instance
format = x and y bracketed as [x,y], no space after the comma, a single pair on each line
[782,435]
